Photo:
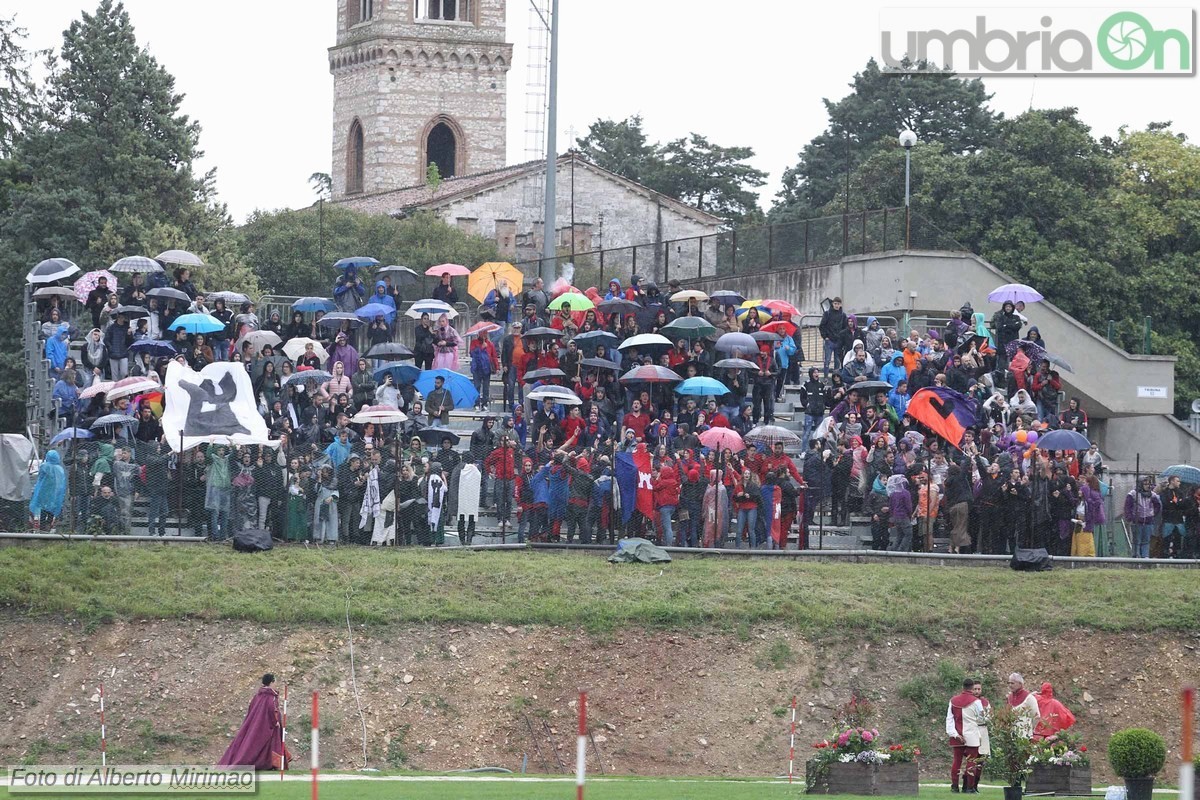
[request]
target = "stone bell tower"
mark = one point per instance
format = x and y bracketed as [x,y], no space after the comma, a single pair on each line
[416,82]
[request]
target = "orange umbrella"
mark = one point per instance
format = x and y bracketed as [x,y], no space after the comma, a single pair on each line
[488,276]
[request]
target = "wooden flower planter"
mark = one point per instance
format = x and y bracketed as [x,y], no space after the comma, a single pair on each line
[1051,779]
[872,780]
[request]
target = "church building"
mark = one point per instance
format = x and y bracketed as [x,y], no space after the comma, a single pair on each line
[420,82]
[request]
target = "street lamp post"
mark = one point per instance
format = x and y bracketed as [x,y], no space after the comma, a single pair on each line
[907,140]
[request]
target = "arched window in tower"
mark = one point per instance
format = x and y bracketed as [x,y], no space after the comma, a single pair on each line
[448,10]
[360,10]
[354,159]
[440,149]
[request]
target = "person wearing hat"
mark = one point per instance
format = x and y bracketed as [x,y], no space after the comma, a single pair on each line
[438,404]
[537,296]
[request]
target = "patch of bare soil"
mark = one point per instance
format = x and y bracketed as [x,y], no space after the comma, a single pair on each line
[442,697]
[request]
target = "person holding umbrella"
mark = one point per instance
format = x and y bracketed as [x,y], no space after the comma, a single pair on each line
[348,290]
[438,404]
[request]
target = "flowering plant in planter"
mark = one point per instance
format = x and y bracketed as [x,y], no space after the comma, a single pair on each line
[1065,751]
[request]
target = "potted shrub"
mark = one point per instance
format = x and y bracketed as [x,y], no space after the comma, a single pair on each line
[856,761]
[1011,750]
[1061,766]
[1137,755]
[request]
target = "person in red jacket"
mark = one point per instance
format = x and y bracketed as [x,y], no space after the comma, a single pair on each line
[573,423]
[531,514]
[666,499]
[501,464]
[778,460]
[715,418]
[637,421]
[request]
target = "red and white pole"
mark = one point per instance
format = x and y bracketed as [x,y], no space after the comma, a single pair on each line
[316,746]
[792,746]
[1186,770]
[581,747]
[283,759]
[103,731]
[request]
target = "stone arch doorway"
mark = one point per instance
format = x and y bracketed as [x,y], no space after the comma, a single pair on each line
[441,148]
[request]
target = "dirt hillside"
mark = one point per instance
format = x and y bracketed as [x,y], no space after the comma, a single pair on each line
[444,697]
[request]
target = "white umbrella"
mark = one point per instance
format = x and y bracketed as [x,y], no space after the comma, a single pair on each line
[644,340]
[180,258]
[55,291]
[381,414]
[559,394]
[433,308]
[52,269]
[259,339]
[689,294]
[294,348]
[128,387]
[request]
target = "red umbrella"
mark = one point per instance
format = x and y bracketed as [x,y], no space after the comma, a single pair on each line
[482,328]
[453,270]
[722,439]
[782,305]
[650,374]
[782,327]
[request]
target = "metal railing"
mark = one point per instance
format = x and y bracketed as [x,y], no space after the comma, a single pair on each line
[761,248]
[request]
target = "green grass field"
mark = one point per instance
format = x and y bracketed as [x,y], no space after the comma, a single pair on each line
[98,583]
[510,789]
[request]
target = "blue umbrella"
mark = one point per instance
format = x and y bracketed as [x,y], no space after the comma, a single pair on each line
[373,310]
[1185,472]
[702,386]
[197,323]
[72,433]
[155,347]
[459,386]
[401,373]
[313,304]
[356,262]
[1063,440]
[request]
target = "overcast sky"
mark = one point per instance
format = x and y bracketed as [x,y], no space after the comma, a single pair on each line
[255,75]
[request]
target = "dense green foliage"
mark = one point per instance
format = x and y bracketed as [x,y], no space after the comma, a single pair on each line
[1137,753]
[416,585]
[1107,228]
[692,169]
[292,250]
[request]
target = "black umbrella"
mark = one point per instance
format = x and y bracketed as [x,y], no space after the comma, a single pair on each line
[735,363]
[543,374]
[870,385]
[727,297]
[133,312]
[434,436]
[401,276]
[765,336]
[390,351]
[600,363]
[618,306]
[965,345]
[52,269]
[542,333]
[167,293]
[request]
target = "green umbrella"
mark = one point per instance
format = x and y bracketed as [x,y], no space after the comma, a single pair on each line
[572,300]
[688,328]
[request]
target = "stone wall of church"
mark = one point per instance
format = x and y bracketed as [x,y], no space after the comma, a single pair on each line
[608,215]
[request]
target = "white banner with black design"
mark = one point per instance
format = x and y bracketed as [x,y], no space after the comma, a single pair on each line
[214,406]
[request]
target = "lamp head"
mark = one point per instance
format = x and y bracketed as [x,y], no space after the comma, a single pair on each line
[907,138]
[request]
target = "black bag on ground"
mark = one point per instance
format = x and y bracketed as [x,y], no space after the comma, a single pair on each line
[1031,560]
[252,540]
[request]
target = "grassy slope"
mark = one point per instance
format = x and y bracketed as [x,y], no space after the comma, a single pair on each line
[98,583]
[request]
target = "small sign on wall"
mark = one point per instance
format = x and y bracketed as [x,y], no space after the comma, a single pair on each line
[1157,392]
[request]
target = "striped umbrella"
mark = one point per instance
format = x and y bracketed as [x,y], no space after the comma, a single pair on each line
[770,434]
[180,258]
[136,264]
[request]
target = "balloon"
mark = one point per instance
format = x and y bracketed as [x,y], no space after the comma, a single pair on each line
[1023,436]
[1033,437]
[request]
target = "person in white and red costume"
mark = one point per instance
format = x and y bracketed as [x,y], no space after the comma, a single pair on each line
[966,725]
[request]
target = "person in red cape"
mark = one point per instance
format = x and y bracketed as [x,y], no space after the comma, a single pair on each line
[1054,717]
[1023,702]
[966,725]
[259,742]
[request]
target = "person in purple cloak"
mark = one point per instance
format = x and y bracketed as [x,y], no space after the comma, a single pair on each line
[259,742]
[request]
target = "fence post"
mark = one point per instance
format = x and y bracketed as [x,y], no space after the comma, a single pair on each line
[845,234]
[733,253]
[601,283]
[770,246]
[1111,329]
[1146,337]
[805,242]
[666,262]
[885,222]
[700,258]
[633,269]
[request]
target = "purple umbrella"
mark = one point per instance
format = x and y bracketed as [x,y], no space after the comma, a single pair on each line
[1015,293]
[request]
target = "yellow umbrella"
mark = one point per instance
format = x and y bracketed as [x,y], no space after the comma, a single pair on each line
[486,277]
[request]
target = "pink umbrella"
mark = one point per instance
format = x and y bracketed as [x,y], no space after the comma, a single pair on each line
[88,282]
[782,305]
[482,328]
[722,439]
[99,387]
[128,387]
[453,270]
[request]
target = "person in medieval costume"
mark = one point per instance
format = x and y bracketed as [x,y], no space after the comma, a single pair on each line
[370,514]
[1053,716]
[1023,703]
[716,512]
[259,742]
[966,725]
[325,508]
[435,499]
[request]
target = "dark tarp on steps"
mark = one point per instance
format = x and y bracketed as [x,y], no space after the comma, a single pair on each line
[639,550]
